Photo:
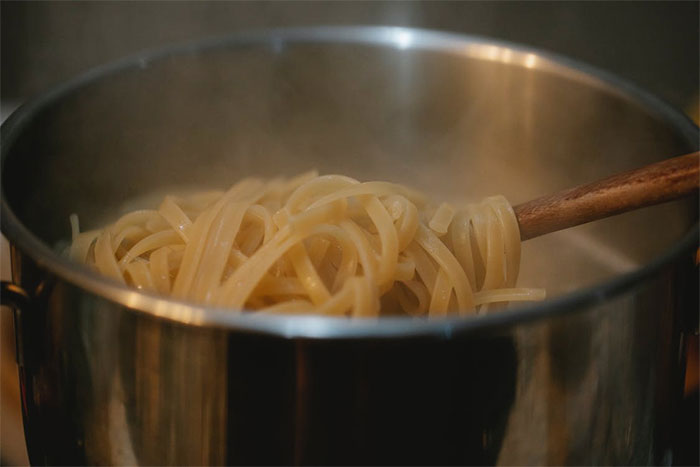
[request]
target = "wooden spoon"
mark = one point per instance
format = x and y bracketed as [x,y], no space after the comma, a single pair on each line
[653,184]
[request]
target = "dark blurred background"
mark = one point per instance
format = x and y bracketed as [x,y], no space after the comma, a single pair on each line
[656,45]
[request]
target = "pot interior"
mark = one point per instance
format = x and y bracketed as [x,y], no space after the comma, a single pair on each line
[460,121]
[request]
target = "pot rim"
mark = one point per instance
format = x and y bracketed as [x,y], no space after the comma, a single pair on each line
[310,326]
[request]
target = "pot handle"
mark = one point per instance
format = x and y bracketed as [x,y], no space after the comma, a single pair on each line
[15,297]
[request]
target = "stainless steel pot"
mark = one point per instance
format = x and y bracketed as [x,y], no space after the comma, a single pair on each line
[110,375]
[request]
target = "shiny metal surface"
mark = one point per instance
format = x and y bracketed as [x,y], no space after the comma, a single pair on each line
[114,376]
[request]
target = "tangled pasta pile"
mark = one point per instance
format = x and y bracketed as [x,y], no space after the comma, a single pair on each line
[323,244]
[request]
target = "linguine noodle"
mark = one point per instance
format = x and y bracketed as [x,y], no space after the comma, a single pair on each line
[324,244]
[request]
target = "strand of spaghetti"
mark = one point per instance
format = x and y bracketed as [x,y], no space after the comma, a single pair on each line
[360,189]
[104,257]
[236,257]
[366,299]
[405,214]
[262,215]
[295,306]
[74,226]
[81,245]
[326,269]
[139,275]
[405,269]
[174,260]
[319,186]
[363,249]
[422,295]
[199,231]
[479,237]
[509,294]
[341,302]
[133,233]
[139,217]
[440,296]
[317,248]
[424,265]
[288,186]
[236,289]
[194,203]
[270,285]
[307,274]
[255,303]
[348,261]
[218,243]
[156,224]
[192,254]
[160,269]
[389,241]
[493,260]
[511,231]
[250,237]
[442,218]
[439,252]
[327,214]
[461,228]
[175,217]
[149,243]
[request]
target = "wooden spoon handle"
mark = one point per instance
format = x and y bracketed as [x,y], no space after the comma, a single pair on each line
[654,184]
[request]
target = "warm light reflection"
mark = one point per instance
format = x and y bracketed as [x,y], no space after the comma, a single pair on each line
[496,53]
[530,61]
[506,55]
[493,52]
[179,312]
[132,299]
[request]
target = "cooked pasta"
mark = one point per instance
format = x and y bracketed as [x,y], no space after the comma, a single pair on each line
[316,244]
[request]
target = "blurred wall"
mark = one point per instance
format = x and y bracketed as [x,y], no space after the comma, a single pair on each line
[654,44]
